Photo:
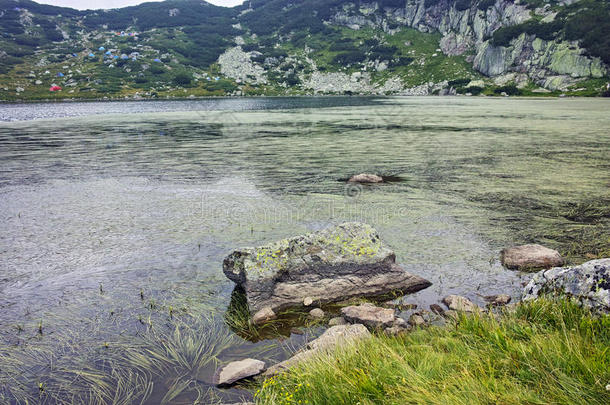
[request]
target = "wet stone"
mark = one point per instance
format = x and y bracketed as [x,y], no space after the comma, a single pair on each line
[238,370]
[369,315]
[459,303]
[316,313]
[497,300]
[530,257]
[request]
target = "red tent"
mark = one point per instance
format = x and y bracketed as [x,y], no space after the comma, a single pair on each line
[55,88]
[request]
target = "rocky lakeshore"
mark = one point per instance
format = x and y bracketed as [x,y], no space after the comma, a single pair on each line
[348,262]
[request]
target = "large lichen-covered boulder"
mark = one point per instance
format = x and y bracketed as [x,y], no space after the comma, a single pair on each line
[589,283]
[338,263]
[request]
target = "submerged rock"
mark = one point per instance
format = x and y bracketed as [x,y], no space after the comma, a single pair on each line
[459,303]
[589,283]
[264,315]
[332,337]
[530,257]
[369,315]
[366,178]
[336,264]
[238,370]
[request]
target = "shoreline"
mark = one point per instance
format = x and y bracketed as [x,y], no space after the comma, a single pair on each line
[295,96]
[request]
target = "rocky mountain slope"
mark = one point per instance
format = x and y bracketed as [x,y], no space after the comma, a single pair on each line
[189,48]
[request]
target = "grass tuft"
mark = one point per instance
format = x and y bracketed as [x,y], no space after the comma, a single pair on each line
[547,351]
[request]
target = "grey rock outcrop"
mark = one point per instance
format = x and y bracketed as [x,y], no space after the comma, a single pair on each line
[530,257]
[338,263]
[555,64]
[238,370]
[331,338]
[589,283]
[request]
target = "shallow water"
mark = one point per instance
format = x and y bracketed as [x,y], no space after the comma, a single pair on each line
[115,225]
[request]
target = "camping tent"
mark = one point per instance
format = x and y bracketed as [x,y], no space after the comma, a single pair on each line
[55,88]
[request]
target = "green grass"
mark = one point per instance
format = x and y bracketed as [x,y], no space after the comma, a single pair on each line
[543,352]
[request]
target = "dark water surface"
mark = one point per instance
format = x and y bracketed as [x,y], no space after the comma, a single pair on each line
[115,222]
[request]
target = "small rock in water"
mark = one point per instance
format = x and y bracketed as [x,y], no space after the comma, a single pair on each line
[264,315]
[498,300]
[316,313]
[437,309]
[459,303]
[307,301]
[530,257]
[296,331]
[339,320]
[417,320]
[369,315]
[238,370]
[366,178]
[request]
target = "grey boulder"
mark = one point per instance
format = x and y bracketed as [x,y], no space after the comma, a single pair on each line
[238,370]
[530,257]
[336,264]
[589,283]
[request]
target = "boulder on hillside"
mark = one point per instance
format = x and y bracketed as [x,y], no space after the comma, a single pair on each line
[336,264]
[332,337]
[589,283]
[365,178]
[530,257]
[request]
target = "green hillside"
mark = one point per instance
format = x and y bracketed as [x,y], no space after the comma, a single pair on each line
[172,48]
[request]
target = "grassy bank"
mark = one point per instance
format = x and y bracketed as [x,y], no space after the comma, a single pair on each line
[541,353]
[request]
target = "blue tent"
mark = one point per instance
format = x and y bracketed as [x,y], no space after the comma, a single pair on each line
[75,55]
[102,48]
[92,55]
[60,74]
[157,60]
[108,53]
[116,56]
